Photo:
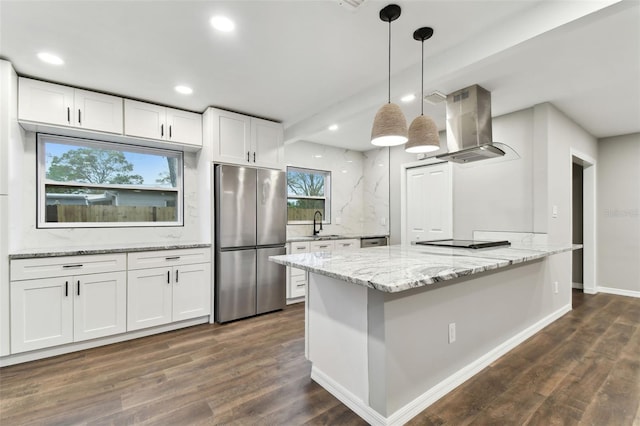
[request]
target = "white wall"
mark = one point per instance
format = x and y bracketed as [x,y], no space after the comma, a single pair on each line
[359,187]
[22,212]
[618,213]
[493,195]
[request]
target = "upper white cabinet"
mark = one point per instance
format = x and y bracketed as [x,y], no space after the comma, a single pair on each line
[243,140]
[151,121]
[59,105]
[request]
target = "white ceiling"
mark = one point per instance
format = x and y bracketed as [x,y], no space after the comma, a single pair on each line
[313,63]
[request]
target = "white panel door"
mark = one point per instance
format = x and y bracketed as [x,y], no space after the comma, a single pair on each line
[97,111]
[149,294]
[429,209]
[100,305]
[41,313]
[231,138]
[267,143]
[144,120]
[45,102]
[184,127]
[191,291]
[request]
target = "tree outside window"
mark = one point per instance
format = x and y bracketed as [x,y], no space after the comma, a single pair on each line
[308,191]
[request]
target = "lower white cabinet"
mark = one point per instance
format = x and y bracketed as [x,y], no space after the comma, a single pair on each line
[174,290]
[53,310]
[297,278]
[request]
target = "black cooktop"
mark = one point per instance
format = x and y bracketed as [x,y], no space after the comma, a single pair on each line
[473,244]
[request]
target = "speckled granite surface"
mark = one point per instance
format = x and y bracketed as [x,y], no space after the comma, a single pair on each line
[71,251]
[402,267]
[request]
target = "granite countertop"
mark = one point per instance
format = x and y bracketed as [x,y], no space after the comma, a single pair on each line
[398,268]
[333,237]
[106,249]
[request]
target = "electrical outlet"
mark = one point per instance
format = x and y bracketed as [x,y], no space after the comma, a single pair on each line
[555,287]
[452,332]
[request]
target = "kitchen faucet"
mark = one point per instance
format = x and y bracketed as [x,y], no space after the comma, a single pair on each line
[318,212]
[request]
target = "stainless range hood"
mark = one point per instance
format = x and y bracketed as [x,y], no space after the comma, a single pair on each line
[469,136]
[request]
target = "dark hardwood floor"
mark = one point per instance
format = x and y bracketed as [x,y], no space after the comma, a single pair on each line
[582,369]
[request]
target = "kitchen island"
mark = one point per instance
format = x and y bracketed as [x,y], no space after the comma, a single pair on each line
[390,330]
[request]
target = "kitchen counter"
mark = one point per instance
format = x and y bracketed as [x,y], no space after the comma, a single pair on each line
[105,249]
[333,237]
[398,268]
[390,330]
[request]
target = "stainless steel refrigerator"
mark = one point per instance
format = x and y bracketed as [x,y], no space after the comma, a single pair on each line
[250,226]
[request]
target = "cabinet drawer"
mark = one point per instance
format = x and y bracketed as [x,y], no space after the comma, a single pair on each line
[164,258]
[49,267]
[302,247]
[295,272]
[347,244]
[320,246]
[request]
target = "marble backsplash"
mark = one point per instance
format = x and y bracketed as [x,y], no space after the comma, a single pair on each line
[359,187]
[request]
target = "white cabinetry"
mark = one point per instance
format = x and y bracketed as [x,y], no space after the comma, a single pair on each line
[151,121]
[167,286]
[297,278]
[350,244]
[66,299]
[244,140]
[59,105]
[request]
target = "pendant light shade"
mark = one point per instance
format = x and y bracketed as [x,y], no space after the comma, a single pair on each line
[389,125]
[423,132]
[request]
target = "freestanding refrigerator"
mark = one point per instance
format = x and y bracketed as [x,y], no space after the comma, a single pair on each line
[250,226]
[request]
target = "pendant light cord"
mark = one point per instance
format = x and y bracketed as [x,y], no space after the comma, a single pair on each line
[422,85]
[389,74]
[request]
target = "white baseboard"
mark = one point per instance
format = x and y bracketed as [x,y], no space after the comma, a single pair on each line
[619,292]
[413,408]
[88,344]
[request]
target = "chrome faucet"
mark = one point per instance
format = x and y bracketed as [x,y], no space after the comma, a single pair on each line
[318,212]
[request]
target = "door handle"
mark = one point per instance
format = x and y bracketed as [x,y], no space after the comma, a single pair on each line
[66,288]
[254,157]
[78,287]
[79,117]
[248,153]
[168,277]
[162,130]
[68,115]
[176,275]
[170,126]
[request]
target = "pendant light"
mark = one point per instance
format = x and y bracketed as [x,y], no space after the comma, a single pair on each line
[389,126]
[423,132]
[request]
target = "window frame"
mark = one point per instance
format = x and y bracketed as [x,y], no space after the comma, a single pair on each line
[327,196]
[42,182]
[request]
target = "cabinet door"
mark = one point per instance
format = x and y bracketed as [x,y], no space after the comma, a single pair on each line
[267,143]
[149,294]
[45,102]
[191,291]
[231,138]
[41,313]
[100,305]
[349,244]
[144,120]
[97,111]
[184,127]
[326,246]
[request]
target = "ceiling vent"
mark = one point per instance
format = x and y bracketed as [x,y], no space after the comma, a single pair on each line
[435,98]
[351,5]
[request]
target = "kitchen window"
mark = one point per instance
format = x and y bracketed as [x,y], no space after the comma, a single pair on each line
[85,184]
[308,191]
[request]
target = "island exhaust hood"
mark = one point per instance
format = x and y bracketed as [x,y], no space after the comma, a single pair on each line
[469,136]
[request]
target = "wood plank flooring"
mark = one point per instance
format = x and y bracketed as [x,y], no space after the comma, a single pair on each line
[582,369]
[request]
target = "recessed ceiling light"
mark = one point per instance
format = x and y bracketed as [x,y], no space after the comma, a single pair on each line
[317,156]
[408,98]
[333,127]
[50,58]
[222,23]
[185,90]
